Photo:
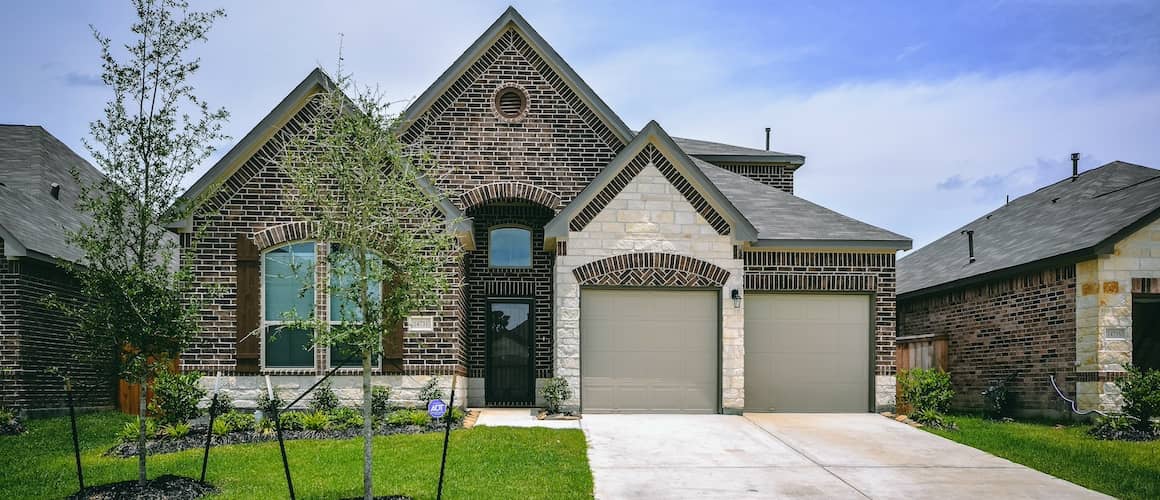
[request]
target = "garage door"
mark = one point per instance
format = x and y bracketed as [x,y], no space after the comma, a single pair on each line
[648,351]
[808,353]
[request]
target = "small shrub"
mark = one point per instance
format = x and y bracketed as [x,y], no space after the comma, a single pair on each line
[934,419]
[129,433]
[175,431]
[291,421]
[266,426]
[1122,428]
[926,389]
[1141,392]
[221,428]
[430,391]
[175,397]
[997,401]
[409,417]
[555,392]
[457,414]
[324,399]
[380,401]
[270,406]
[237,421]
[316,421]
[10,425]
[345,418]
[225,404]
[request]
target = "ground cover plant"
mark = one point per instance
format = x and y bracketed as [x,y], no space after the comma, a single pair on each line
[483,463]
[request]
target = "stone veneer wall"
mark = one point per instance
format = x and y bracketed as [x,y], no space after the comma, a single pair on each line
[1023,323]
[35,338]
[840,271]
[648,215]
[1103,314]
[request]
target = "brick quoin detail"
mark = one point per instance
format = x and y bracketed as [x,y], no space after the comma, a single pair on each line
[649,154]
[508,191]
[778,176]
[824,272]
[1024,323]
[651,269]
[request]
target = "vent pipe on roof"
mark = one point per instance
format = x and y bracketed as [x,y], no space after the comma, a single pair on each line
[970,244]
[1074,166]
[767,138]
[55,191]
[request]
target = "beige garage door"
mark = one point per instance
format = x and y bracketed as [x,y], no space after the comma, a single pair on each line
[648,351]
[808,353]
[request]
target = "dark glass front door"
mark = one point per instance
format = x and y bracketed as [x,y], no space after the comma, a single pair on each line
[510,377]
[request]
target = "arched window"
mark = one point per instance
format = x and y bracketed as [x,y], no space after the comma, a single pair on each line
[344,301]
[288,288]
[509,247]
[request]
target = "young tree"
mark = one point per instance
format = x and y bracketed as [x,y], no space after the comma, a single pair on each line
[140,300]
[369,197]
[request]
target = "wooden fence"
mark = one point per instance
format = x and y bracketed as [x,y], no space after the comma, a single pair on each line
[923,351]
[129,395]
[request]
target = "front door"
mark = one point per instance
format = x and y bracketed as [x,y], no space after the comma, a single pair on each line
[510,377]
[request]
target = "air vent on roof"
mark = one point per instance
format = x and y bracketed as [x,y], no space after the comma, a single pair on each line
[510,102]
[55,191]
[970,245]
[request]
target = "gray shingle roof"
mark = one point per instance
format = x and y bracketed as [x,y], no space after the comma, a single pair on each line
[698,147]
[31,160]
[1066,219]
[782,219]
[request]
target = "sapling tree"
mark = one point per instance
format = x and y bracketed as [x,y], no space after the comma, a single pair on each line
[370,199]
[140,301]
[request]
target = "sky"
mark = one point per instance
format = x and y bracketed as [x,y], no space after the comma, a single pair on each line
[913,116]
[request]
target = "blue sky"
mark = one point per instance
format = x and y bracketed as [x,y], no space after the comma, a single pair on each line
[914,116]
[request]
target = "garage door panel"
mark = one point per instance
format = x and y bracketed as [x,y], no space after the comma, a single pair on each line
[807,352]
[649,350]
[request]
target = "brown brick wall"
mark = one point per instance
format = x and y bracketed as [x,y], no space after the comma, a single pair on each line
[872,273]
[1024,323]
[778,176]
[35,339]
[534,283]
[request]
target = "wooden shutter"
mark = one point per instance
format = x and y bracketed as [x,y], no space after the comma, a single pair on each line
[392,343]
[249,304]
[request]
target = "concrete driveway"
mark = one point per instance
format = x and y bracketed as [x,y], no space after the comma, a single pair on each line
[798,456]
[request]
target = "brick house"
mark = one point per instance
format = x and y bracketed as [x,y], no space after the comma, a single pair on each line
[653,273]
[1064,281]
[37,196]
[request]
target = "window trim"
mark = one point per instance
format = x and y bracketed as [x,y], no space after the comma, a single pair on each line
[266,323]
[531,245]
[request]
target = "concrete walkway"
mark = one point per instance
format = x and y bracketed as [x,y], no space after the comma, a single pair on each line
[798,456]
[520,417]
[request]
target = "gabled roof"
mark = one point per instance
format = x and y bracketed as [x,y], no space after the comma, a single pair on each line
[1067,221]
[787,221]
[652,133]
[32,222]
[720,152]
[512,19]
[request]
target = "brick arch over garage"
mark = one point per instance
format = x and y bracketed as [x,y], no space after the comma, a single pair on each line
[651,269]
[498,191]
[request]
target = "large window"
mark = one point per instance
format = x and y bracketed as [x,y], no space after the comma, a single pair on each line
[509,247]
[344,308]
[288,273]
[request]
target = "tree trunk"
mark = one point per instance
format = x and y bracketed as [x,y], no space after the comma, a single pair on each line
[368,428]
[141,411]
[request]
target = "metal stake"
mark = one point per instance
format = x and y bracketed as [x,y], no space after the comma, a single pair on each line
[72,416]
[446,437]
[208,435]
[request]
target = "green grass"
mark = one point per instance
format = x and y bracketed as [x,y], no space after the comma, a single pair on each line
[1122,469]
[482,463]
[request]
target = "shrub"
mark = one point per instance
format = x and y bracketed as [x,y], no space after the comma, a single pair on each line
[324,399]
[269,405]
[1141,392]
[997,401]
[933,418]
[237,421]
[457,414]
[175,397]
[344,418]
[409,417]
[128,433]
[1122,428]
[225,404]
[430,391]
[380,401]
[291,421]
[556,391]
[266,426]
[926,389]
[221,428]
[176,431]
[316,421]
[9,423]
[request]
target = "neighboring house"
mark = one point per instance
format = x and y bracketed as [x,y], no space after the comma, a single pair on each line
[652,273]
[1062,282]
[37,198]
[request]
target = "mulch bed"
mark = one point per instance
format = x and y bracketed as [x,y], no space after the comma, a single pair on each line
[196,438]
[167,487]
[11,428]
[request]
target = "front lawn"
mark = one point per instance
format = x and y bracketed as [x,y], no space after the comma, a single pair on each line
[1122,469]
[483,462]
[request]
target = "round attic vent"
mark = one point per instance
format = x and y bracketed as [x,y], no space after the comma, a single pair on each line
[511,102]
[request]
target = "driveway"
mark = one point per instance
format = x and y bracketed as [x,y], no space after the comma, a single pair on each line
[798,456]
